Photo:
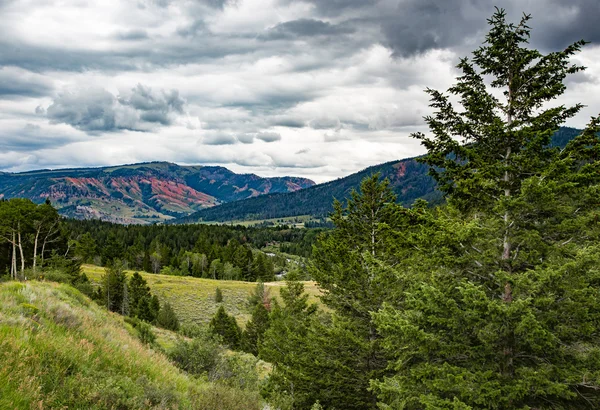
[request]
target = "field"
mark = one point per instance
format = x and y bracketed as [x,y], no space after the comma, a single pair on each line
[193,299]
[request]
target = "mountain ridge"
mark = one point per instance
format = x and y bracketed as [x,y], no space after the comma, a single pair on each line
[142,192]
[408,178]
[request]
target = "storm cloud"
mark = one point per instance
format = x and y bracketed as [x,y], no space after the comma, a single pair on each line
[95,109]
[316,88]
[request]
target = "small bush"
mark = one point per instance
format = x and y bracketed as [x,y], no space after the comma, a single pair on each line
[218,295]
[198,356]
[145,333]
[143,330]
[167,319]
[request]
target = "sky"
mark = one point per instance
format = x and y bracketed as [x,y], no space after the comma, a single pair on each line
[312,88]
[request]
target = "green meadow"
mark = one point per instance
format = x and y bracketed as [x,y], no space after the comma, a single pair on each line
[193,299]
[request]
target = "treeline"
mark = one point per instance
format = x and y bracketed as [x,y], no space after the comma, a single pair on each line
[207,251]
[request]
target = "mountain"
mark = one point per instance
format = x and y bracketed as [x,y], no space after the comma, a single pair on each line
[408,178]
[140,193]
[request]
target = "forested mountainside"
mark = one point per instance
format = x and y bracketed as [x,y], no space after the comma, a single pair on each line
[140,193]
[408,178]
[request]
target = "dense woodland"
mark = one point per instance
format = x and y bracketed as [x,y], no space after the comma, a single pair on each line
[33,233]
[489,301]
[208,251]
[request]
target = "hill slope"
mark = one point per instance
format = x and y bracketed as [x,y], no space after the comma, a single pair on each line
[408,178]
[60,350]
[140,193]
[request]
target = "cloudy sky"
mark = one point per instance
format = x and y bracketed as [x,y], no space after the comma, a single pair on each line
[315,88]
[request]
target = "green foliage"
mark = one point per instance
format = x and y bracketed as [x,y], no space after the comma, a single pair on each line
[114,283]
[223,397]
[255,329]
[141,301]
[503,310]
[226,327]
[28,234]
[167,319]
[218,295]
[351,266]
[143,330]
[207,251]
[62,351]
[286,345]
[198,356]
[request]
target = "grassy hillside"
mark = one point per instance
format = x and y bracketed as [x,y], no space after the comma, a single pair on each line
[60,350]
[193,299]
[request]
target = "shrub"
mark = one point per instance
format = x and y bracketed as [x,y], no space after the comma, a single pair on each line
[218,295]
[167,319]
[198,356]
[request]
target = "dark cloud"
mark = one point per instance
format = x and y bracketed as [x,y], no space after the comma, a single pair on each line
[325,123]
[153,106]
[337,7]
[246,138]
[96,110]
[91,110]
[132,35]
[21,83]
[32,138]
[219,138]
[305,28]
[420,25]
[417,26]
[289,122]
[268,136]
[567,22]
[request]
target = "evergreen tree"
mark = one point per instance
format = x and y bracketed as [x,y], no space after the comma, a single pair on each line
[138,291]
[255,329]
[349,265]
[113,285]
[259,303]
[154,307]
[218,295]
[167,318]
[507,315]
[86,248]
[287,345]
[226,327]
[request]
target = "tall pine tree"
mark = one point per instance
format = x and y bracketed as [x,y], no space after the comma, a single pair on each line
[507,317]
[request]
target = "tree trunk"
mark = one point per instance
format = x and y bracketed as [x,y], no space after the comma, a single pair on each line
[13,262]
[35,247]
[47,239]
[21,249]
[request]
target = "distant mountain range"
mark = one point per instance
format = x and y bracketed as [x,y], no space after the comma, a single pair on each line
[161,191]
[141,193]
[408,178]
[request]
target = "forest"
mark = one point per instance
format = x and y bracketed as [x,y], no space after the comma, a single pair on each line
[486,301]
